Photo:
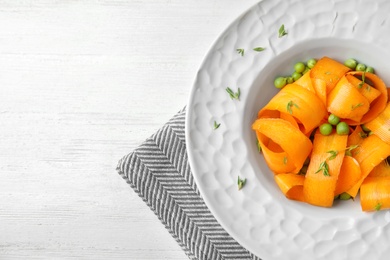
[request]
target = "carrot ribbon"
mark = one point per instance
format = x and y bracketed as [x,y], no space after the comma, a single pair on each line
[338,163]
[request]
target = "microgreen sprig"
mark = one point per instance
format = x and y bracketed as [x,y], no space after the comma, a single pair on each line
[241,182]
[333,154]
[363,80]
[241,51]
[378,206]
[282,31]
[353,107]
[324,167]
[216,125]
[259,49]
[232,94]
[258,146]
[349,149]
[290,104]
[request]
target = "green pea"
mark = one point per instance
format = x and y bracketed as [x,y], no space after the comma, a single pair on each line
[280,82]
[333,119]
[326,129]
[370,69]
[360,67]
[311,63]
[290,80]
[350,63]
[296,75]
[342,128]
[345,196]
[299,67]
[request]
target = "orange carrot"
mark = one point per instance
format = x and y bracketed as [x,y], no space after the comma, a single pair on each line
[306,82]
[276,161]
[346,102]
[349,175]
[365,89]
[356,137]
[375,193]
[325,163]
[299,102]
[369,154]
[289,118]
[291,185]
[269,114]
[328,70]
[380,125]
[319,86]
[338,163]
[377,105]
[282,132]
[381,170]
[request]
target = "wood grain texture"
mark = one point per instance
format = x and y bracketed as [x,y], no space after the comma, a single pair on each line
[82,83]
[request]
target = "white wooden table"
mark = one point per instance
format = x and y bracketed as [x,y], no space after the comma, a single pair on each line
[82,83]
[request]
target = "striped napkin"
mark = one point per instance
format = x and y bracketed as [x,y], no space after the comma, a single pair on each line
[159,171]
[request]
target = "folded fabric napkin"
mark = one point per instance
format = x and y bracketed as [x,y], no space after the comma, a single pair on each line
[159,171]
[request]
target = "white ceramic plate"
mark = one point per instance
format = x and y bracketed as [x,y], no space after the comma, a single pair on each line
[259,217]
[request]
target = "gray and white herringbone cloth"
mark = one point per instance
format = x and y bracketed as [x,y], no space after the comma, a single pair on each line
[159,172]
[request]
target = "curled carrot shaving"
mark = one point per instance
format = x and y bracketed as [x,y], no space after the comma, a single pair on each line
[306,82]
[322,174]
[277,161]
[365,89]
[381,170]
[375,193]
[319,86]
[380,125]
[329,71]
[350,173]
[377,105]
[300,103]
[356,137]
[347,102]
[291,185]
[371,152]
[291,155]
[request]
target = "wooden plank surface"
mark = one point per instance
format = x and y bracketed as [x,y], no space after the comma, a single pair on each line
[82,83]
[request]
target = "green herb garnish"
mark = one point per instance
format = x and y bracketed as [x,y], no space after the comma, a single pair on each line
[348,150]
[241,183]
[378,206]
[333,154]
[282,31]
[259,49]
[216,125]
[324,167]
[353,107]
[232,94]
[241,51]
[285,160]
[258,146]
[363,80]
[290,104]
